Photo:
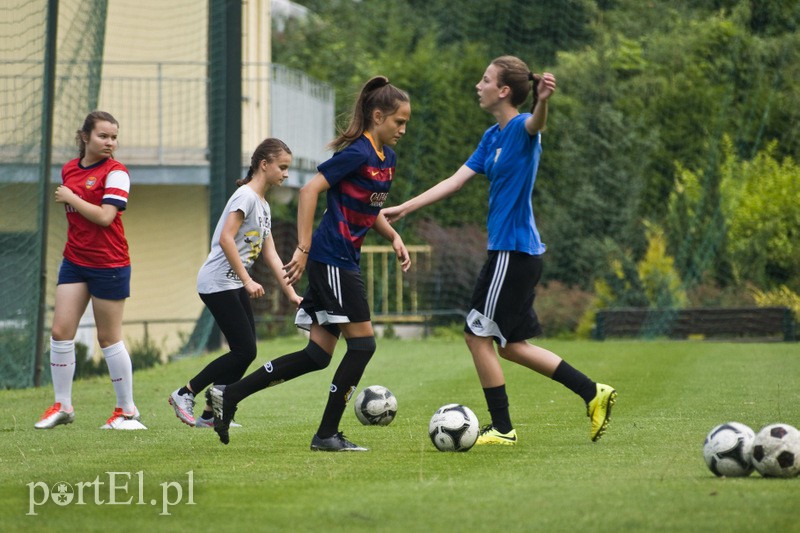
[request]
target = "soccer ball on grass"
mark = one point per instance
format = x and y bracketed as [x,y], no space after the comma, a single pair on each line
[776,451]
[376,406]
[728,450]
[453,428]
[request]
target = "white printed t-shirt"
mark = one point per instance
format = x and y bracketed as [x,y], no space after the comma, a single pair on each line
[216,274]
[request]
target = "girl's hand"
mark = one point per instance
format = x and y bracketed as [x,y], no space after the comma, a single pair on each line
[393,214]
[401,252]
[254,289]
[296,299]
[546,86]
[295,268]
[64,194]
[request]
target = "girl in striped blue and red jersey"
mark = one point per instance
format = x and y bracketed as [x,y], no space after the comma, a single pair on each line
[96,267]
[356,180]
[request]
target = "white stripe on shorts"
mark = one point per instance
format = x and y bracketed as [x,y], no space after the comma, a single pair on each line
[497,284]
[334,282]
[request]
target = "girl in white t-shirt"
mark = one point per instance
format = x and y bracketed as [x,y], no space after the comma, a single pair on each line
[224,283]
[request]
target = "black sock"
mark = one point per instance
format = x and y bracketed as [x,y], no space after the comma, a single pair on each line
[497,401]
[183,391]
[207,415]
[345,380]
[575,381]
[284,368]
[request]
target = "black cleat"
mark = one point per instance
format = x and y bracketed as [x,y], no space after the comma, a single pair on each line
[335,443]
[223,412]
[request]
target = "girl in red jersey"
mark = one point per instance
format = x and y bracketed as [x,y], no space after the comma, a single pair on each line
[356,182]
[96,267]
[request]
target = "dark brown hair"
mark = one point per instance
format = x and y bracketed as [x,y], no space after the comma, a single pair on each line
[515,74]
[269,149]
[88,126]
[377,93]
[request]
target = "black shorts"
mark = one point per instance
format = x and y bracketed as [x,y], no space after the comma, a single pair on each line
[334,296]
[502,302]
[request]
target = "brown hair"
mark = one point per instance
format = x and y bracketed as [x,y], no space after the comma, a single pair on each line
[515,74]
[88,126]
[377,93]
[269,149]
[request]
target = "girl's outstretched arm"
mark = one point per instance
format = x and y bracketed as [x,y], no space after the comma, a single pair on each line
[441,190]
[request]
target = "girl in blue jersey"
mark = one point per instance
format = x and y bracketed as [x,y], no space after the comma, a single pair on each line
[501,310]
[356,181]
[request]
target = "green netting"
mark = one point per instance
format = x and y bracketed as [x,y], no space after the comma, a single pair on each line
[25,180]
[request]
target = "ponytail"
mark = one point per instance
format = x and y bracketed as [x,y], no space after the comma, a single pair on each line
[268,150]
[534,79]
[377,93]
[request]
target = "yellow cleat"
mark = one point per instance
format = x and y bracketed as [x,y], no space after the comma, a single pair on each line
[599,410]
[489,435]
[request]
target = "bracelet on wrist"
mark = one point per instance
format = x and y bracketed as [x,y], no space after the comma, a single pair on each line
[304,250]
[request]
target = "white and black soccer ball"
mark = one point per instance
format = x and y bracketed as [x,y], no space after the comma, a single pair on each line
[453,428]
[728,450]
[376,406]
[776,451]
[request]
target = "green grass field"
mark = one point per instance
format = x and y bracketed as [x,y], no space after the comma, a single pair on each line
[646,474]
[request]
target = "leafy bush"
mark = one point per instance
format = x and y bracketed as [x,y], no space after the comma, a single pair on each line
[144,353]
[86,366]
[452,331]
[560,308]
[389,331]
[711,294]
[458,254]
[780,297]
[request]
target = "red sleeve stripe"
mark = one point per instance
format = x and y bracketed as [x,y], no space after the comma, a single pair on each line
[116,193]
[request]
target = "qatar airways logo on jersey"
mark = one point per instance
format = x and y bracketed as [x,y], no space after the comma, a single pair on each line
[377,199]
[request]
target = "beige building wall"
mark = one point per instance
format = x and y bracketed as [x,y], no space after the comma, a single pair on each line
[166,224]
[167,220]
[256,56]
[167,229]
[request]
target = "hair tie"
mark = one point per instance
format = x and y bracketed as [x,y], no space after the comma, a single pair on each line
[531,76]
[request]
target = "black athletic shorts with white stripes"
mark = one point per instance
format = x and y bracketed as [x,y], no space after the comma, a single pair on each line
[334,296]
[502,302]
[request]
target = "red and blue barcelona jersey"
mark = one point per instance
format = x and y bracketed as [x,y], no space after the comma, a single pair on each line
[360,180]
[88,244]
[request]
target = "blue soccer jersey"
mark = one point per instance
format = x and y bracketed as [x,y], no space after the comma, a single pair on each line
[510,158]
[360,179]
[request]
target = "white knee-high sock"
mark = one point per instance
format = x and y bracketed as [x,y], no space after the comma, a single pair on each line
[62,369]
[120,369]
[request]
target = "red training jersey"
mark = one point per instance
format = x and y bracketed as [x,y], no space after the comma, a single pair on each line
[89,244]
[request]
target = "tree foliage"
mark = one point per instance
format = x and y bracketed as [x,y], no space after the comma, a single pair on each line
[648,92]
[760,203]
